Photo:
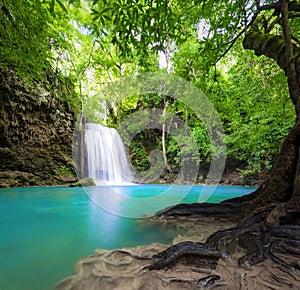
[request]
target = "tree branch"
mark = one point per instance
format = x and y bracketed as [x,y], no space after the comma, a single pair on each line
[290,57]
[275,6]
[296,40]
[273,23]
[89,59]
[292,6]
[4,9]
[233,41]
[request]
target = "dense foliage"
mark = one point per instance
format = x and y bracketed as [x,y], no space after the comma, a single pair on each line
[94,42]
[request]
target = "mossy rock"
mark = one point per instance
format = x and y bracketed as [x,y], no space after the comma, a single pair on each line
[16,179]
[84,182]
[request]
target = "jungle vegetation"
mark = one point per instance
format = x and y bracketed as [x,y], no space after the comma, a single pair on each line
[244,55]
[90,43]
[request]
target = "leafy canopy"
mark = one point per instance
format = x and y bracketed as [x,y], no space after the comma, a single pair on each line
[95,42]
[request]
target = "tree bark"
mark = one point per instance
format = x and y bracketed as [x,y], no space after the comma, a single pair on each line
[271,223]
[163,136]
[291,69]
[281,184]
[271,46]
[82,146]
[279,187]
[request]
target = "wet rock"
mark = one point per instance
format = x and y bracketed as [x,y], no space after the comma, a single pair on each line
[17,178]
[36,131]
[84,182]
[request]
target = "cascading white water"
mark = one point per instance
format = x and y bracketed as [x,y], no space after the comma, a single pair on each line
[107,161]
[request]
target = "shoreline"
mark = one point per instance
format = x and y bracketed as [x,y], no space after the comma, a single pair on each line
[126,268]
[164,184]
[15,179]
[71,183]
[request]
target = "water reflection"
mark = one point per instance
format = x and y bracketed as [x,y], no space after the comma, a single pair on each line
[136,201]
[111,230]
[103,227]
[143,200]
[46,230]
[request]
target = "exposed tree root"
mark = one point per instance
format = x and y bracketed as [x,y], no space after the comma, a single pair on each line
[272,232]
[193,253]
[227,210]
[208,280]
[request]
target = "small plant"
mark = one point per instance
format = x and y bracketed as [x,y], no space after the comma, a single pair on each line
[63,170]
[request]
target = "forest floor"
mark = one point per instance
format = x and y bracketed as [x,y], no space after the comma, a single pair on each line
[233,177]
[127,268]
[237,178]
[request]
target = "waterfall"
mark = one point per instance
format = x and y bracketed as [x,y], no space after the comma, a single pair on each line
[106,158]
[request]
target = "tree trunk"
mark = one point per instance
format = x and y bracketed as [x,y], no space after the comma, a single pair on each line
[279,187]
[271,224]
[271,46]
[284,180]
[82,146]
[281,184]
[163,136]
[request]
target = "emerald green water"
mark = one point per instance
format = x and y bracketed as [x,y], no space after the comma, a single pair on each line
[45,230]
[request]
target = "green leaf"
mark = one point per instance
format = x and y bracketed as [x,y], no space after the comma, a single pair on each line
[105,10]
[108,18]
[51,7]
[62,6]
[102,20]
[94,11]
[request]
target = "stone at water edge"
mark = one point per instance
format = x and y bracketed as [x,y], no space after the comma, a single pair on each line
[84,182]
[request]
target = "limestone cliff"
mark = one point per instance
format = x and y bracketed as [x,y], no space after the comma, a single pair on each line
[36,129]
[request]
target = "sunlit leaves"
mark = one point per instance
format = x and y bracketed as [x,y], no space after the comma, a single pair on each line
[51,4]
[25,37]
[256,109]
[142,24]
[250,94]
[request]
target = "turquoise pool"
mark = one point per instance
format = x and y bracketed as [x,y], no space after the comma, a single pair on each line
[45,230]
